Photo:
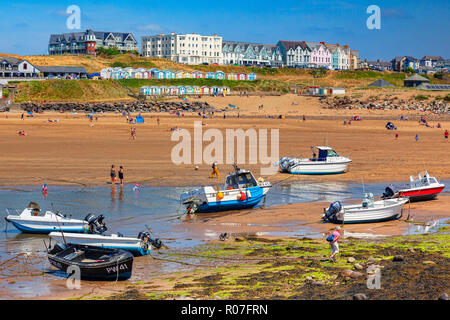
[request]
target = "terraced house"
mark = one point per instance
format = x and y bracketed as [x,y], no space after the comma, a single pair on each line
[320,55]
[87,42]
[295,53]
[189,48]
[246,53]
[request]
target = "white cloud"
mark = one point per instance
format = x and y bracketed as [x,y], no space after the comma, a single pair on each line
[150,27]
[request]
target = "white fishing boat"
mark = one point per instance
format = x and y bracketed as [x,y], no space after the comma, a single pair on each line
[139,246]
[241,191]
[368,211]
[325,161]
[29,221]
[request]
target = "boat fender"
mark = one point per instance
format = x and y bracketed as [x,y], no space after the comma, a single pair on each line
[219,195]
[242,196]
[249,194]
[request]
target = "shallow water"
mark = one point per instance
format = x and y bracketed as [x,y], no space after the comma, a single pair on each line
[128,211]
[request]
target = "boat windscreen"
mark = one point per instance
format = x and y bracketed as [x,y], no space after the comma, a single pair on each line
[246,180]
[332,153]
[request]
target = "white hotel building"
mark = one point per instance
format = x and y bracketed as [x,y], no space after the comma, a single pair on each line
[184,48]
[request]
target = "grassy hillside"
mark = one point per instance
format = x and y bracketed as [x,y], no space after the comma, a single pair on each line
[70,90]
[104,90]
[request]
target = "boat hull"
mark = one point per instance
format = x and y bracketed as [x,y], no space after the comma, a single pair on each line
[45,227]
[253,196]
[133,245]
[318,168]
[422,194]
[118,268]
[351,214]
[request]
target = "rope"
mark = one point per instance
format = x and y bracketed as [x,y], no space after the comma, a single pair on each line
[182,262]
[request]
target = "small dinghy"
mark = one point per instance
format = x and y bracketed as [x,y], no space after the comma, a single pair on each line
[421,187]
[241,191]
[94,263]
[139,246]
[326,162]
[29,221]
[368,211]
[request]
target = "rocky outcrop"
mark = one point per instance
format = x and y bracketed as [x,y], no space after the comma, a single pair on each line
[440,107]
[118,107]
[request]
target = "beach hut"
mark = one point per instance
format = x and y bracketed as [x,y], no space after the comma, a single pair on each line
[144,91]
[115,73]
[219,75]
[206,90]
[173,91]
[164,90]
[169,74]
[251,76]
[187,75]
[146,74]
[210,75]
[124,75]
[106,73]
[197,74]
[225,90]
[139,73]
[215,90]
[129,71]
[242,76]
[197,90]
[181,90]
[154,91]
[179,74]
[232,76]
[189,90]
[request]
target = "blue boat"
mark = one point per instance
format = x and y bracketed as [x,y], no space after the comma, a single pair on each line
[241,191]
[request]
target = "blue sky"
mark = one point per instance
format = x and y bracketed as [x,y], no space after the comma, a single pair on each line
[414,27]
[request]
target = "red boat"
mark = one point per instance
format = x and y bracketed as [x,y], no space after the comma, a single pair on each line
[421,187]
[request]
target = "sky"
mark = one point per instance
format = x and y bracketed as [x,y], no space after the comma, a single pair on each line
[415,27]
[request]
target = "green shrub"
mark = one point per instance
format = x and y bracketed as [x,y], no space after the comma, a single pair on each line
[421,97]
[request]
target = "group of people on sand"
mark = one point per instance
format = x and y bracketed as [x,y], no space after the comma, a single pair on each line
[113,174]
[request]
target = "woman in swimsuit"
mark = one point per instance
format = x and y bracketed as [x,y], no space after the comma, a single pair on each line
[113,174]
[121,175]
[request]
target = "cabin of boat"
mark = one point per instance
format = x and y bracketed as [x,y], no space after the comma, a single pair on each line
[323,153]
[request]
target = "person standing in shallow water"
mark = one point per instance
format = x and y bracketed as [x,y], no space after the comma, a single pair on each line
[113,174]
[121,175]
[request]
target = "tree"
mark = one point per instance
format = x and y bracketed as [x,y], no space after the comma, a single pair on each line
[410,70]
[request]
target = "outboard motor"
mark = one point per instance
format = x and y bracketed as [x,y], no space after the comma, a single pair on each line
[389,192]
[96,225]
[330,214]
[154,242]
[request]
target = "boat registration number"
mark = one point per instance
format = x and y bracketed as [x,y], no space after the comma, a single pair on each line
[114,269]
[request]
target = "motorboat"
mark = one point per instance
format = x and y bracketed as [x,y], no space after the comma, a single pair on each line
[30,221]
[325,160]
[241,191]
[368,211]
[421,187]
[93,263]
[139,246]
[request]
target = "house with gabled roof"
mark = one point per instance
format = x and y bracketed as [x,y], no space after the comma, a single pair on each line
[11,67]
[247,53]
[88,41]
[295,53]
[430,61]
[320,55]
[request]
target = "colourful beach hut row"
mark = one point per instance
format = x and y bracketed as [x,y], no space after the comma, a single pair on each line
[141,73]
[183,90]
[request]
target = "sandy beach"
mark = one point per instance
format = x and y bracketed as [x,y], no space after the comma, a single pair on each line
[76,151]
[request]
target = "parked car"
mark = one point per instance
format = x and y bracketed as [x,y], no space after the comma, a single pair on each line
[205,63]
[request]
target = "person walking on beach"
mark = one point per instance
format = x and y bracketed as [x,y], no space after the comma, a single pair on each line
[113,174]
[333,239]
[417,137]
[157,120]
[121,175]
[446,134]
[21,117]
[215,170]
